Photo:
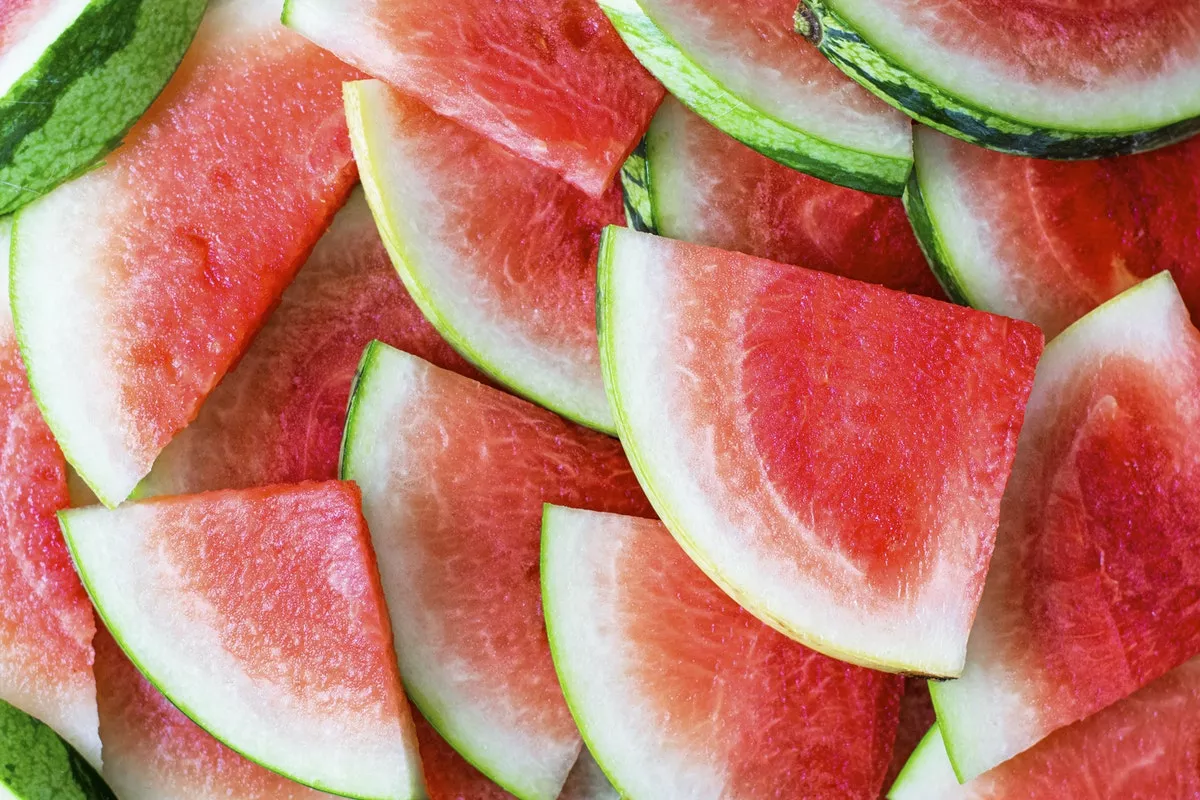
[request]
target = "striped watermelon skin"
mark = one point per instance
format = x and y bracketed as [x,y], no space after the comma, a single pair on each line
[36,763]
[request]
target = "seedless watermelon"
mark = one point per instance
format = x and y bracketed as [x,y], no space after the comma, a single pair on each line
[1088,596]
[831,453]
[137,286]
[454,475]
[36,764]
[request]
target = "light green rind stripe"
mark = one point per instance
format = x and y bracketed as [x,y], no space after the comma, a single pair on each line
[931,242]
[86,91]
[774,138]
[36,764]
[636,192]
[927,774]
[883,75]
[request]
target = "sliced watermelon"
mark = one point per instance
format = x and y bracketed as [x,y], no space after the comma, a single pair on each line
[499,252]
[454,475]
[916,718]
[681,693]
[706,188]
[74,76]
[36,764]
[259,614]
[1048,241]
[1090,592]
[1050,79]
[548,79]
[831,453]
[137,286]
[46,622]
[741,66]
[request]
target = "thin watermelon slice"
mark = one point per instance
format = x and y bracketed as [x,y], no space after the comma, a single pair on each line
[548,79]
[46,622]
[1098,554]
[1057,79]
[681,693]
[1048,241]
[499,252]
[705,187]
[259,614]
[916,718]
[36,764]
[830,452]
[454,475]
[1142,748]
[137,286]
[742,67]
[74,76]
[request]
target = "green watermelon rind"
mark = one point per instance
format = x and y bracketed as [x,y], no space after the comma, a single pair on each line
[774,138]
[931,241]
[87,89]
[35,762]
[909,780]
[885,75]
[636,191]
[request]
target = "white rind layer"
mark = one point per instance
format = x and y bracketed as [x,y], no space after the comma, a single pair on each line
[42,32]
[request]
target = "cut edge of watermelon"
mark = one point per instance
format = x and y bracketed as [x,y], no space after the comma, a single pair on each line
[928,768]
[878,173]
[58,764]
[931,242]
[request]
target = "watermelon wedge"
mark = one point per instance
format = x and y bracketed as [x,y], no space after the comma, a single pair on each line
[681,693]
[46,622]
[137,286]
[741,66]
[74,76]
[258,613]
[707,188]
[1048,241]
[499,252]
[1098,553]
[1057,79]
[548,79]
[36,764]
[454,475]
[831,453]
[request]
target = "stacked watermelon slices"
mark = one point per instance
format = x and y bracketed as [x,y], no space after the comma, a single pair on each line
[744,442]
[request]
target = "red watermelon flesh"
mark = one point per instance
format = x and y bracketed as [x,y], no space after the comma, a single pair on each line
[916,718]
[549,79]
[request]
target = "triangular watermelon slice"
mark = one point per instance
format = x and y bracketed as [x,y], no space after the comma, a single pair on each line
[137,286]
[1098,555]
[46,622]
[259,614]
[454,475]
[37,764]
[499,252]
[831,453]
[548,79]
[681,693]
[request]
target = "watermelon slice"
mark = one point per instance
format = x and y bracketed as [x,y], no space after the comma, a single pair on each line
[1088,597]
[74,76]
[137,286]
[46,622]
[587,781]
[258,613]
[1043,78]
[916,718]
[499,252]
[705,187]
[1142,748]
[741,66]
[454,475]
[831,453]
[548,79]
[36,764]
[680,693]
[1048,241]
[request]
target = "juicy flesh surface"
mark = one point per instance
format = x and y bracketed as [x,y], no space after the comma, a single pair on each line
[916,718]
[448,776]
[16,17]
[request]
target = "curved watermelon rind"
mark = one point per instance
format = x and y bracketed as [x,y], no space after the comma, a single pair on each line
[36,762]
[885,76]
[686,80]
[913,781]
[86,91]
[636,193]
[931,242]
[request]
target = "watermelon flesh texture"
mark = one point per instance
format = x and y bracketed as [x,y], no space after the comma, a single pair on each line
[259,614]
[454,475]
[548,79]
[138,285]
[1087,597]
[681,693]
[832,453]
[709,189]
[499,252]
[916,718]
[1048,241]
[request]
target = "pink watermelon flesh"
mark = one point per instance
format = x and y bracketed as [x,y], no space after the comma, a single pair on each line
[916,718]
[549,79]
[16,18]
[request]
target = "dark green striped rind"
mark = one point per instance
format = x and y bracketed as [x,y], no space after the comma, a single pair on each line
[87,90]
[36,764]
[635,189]
[937,108]
[931,243]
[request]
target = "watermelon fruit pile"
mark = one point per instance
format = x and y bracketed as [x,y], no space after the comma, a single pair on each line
[599,399]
